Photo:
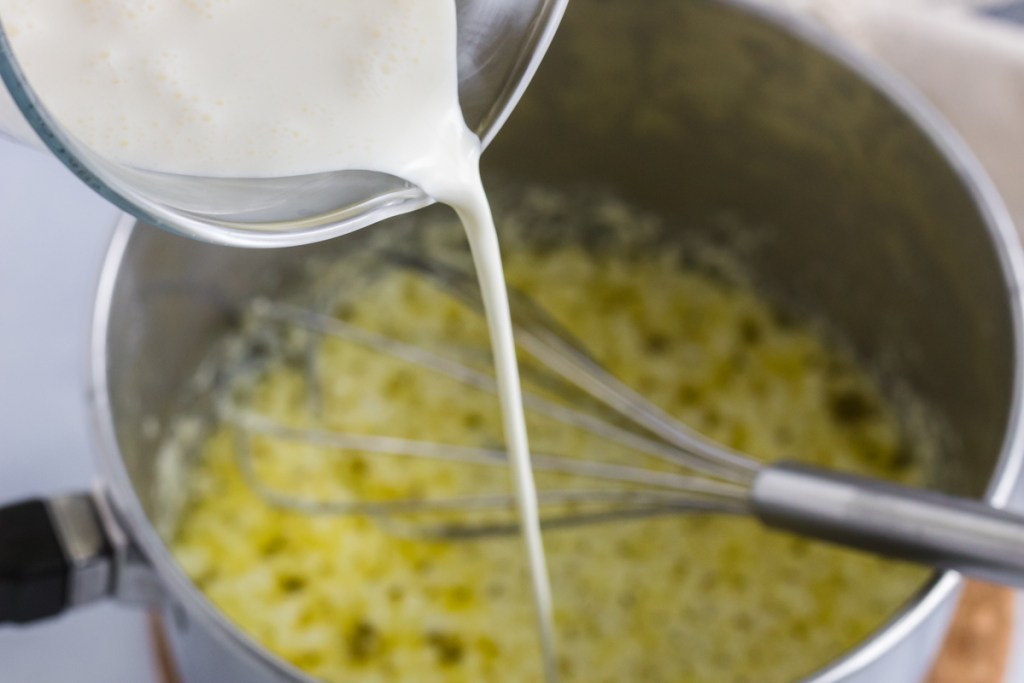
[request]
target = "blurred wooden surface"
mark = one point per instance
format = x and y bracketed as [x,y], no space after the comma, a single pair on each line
[977,646]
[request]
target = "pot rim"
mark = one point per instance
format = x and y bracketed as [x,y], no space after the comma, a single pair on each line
[902,624]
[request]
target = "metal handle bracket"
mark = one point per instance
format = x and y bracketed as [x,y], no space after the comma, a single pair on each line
[63,552]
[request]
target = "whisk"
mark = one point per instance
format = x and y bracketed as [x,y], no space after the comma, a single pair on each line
[706,477]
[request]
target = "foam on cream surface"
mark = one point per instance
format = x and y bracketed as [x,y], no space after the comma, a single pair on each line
[237,88]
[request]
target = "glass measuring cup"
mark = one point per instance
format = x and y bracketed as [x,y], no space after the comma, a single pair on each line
[500,45]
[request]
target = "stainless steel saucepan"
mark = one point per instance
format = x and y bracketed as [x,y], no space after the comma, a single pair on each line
[865,211]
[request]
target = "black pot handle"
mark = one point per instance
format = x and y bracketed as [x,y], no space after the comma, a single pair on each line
[54,554]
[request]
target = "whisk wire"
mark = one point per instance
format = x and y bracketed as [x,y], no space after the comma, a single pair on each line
[714,479]
[618,505]
[544,339]
[254,423]
[330,326]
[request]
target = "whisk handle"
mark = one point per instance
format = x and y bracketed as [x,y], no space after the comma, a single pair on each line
[896,521]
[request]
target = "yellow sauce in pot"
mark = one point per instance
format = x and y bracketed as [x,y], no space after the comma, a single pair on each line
[675,599]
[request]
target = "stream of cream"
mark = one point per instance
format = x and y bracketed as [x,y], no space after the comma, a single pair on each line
[236,88]
[453,177]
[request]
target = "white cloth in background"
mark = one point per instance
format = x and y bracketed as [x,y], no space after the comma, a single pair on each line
[966,56]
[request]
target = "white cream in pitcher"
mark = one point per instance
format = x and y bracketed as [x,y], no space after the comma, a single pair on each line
[262,88]
[244,89]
